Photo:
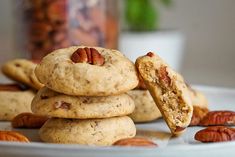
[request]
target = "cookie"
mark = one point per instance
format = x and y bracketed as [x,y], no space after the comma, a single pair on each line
[145,108]
[51,103]
[14,100]
[168,90]
[22,70]
[101,132]
[198,114]
[200,106]
[198,98]
[73,71]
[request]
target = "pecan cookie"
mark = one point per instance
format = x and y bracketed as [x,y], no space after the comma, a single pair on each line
[200,106]
[22,70]
[102,132]
[145,108]
[198,98]
[51,103]
[14,100]
[168,90]
[83,71]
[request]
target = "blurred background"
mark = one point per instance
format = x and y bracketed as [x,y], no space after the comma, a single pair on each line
[196,37]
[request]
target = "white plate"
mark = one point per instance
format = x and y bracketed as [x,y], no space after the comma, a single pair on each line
[185,145]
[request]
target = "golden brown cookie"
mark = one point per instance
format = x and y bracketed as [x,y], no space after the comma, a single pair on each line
[14,100]
[101,132]
[87,71]
[168,90]
[22,70]
[51,103]
[145,108]
[200,106]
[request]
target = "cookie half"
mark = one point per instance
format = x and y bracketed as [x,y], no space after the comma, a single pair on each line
[14,100]
[116,75]
[101,132]
[51,103]
[145,108]
[22,70]
[168,90]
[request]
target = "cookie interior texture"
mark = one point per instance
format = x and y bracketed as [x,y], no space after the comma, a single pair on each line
[101,132]
[168,90]
[50,103]
[58,72]
[145,108]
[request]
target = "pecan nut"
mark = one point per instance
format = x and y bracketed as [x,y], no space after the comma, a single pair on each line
[218,118]
[87,55]
[215,134]
[28,120]
[198,114]
[150,54]
[179,129]
[136,142]
[12,136]
[163,76]
[12,87]
[62,105]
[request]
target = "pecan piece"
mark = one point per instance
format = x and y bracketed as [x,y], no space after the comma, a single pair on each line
[215,134]
[62,105]
[28,120]
[218,118]
[179,129]
[198,114]
[150,54]
[163,76]
[12,136]
[12,87]
[136,142]
[87,55]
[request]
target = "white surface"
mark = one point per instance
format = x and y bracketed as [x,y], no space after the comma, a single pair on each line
[183,146]
[167,44]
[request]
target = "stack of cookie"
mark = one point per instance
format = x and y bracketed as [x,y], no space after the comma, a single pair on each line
[85,95]
[16,97]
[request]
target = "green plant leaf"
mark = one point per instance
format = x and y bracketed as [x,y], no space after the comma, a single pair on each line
[166,2]
[142,15]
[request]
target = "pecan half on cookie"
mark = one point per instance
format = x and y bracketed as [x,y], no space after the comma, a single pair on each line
[87,55]
[218,118]
[215,134]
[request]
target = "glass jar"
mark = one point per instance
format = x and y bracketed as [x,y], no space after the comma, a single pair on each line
[47,25]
